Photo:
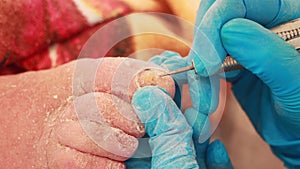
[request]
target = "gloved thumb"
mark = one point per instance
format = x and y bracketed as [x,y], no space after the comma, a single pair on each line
[264,54]
[170,134]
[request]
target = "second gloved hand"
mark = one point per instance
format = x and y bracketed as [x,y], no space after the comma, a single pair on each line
[269,91]
[213,155]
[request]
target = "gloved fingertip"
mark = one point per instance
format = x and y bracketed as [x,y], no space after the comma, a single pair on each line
[141,99]
[146,101]
[200,124]
[207,54]
[217,156]
[204,92]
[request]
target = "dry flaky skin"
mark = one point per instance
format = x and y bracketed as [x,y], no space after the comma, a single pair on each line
[47,116]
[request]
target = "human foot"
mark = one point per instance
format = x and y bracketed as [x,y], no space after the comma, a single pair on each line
[75,116]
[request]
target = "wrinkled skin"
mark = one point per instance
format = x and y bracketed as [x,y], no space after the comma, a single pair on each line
[43,123]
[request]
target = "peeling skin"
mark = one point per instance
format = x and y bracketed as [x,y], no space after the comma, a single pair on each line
[40,125]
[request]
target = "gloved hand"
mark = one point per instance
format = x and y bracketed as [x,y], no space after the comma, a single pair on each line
[269,88]
[209,156]
[170,135]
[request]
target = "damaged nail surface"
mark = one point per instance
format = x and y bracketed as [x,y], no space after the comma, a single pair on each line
[151,77]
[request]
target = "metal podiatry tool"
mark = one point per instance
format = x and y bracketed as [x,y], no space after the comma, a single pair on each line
[289,31]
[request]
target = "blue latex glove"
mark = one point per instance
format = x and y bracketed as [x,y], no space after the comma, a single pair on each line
[211,156]
[170,135]
[269,90]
